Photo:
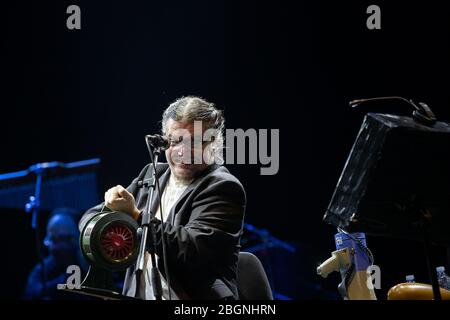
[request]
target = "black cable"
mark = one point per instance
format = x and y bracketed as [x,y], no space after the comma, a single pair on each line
[360,244]
[163,238]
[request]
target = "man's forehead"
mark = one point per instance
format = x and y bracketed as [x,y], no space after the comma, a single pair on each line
[175,125]
[177,128]
[61,229]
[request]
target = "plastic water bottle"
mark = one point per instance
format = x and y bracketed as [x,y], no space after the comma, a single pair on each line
[443,278]
[410,278]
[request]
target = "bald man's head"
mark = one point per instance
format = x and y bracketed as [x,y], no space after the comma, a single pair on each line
[62,235]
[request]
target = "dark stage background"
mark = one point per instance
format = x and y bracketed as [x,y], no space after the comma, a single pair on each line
[68,95]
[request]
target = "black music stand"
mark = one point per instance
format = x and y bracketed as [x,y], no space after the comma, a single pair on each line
[396,183]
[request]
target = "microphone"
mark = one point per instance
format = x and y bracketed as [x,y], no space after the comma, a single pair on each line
[157,141]
[355,103]
[422,112]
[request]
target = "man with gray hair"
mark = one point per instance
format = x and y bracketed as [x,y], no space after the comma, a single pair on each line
[202,207]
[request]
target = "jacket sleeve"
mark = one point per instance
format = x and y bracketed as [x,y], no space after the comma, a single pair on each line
[211,236]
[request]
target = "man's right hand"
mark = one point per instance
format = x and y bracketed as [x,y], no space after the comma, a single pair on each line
[119,199]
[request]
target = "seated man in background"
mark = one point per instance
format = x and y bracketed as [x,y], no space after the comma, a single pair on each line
[63,250]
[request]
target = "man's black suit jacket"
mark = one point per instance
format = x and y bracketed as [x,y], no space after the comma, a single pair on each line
[203,232]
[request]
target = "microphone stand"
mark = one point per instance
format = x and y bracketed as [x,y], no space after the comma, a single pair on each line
[147,228]
[34,206]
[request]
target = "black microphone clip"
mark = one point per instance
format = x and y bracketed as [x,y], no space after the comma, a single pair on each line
[157,141]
